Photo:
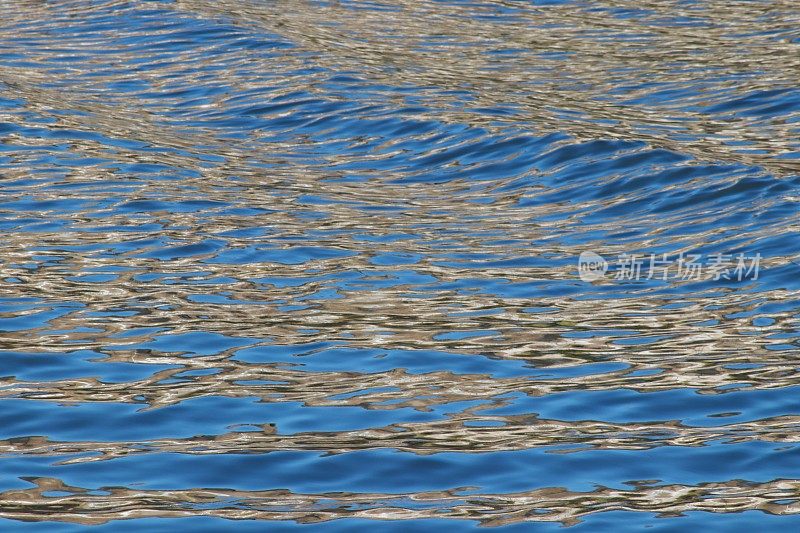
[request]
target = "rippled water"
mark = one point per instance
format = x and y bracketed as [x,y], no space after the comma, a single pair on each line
[317,262]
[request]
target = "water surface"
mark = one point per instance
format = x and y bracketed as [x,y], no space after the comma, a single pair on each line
[269,264]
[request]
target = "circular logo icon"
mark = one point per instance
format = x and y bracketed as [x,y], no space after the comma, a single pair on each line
[591,266]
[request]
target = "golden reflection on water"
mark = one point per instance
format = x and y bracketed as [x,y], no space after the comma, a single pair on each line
[576,68]
[778,497]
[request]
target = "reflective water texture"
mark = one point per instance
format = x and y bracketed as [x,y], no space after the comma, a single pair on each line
[272,263]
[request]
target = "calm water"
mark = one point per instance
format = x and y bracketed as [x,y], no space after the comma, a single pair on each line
[271,263]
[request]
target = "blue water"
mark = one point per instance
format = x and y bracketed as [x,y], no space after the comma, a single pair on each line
[284,266]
